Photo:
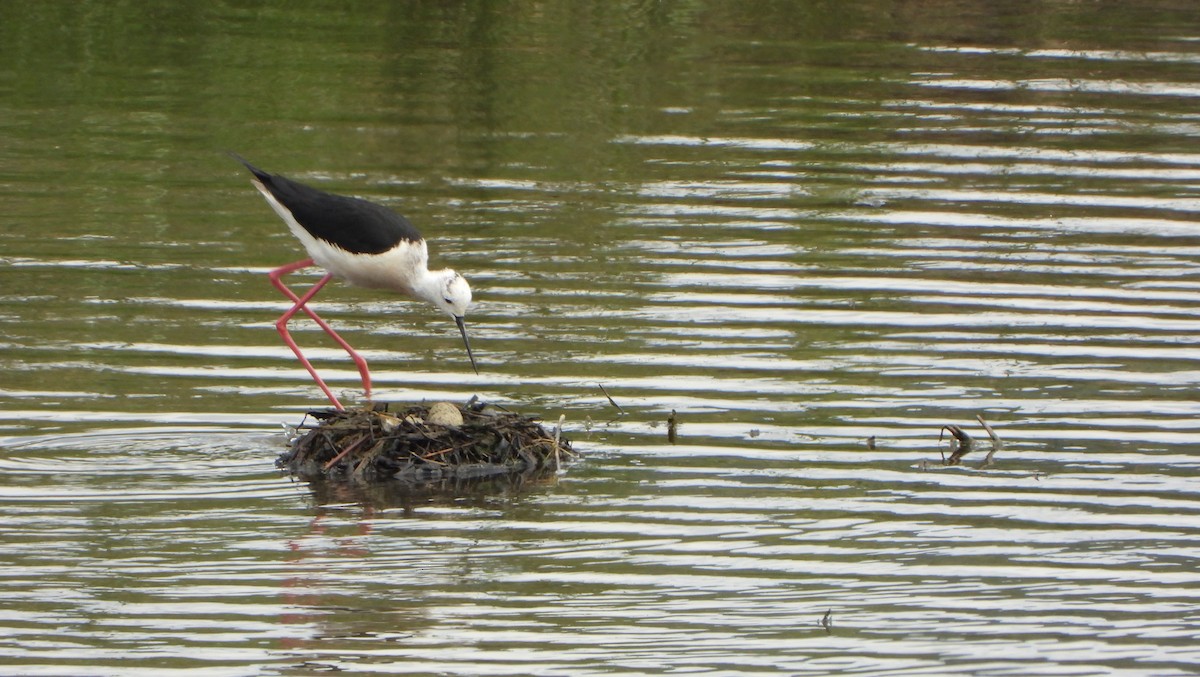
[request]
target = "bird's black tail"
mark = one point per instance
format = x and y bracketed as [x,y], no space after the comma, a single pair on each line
[260,174]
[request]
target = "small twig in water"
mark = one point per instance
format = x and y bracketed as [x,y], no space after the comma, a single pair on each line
[997,445]
[672,427]
[557,432]
[827,620]
[964,443]
[610,399]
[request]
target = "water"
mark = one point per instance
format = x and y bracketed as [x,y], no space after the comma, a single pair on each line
[799,226]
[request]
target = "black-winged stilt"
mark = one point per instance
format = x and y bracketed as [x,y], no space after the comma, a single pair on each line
[362,243]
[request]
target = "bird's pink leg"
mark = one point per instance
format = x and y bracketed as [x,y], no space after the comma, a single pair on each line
[301,303]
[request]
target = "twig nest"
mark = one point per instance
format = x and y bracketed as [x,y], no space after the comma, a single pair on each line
[421,444]
[444,414]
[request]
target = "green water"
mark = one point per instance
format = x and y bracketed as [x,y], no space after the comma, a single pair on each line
[798,225]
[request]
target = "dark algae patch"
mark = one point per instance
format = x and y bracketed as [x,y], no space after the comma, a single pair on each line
[424,443]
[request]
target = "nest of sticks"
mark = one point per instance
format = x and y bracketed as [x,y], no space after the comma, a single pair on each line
[424,444]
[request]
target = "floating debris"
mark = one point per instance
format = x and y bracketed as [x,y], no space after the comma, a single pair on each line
[997,445]
[423,444]
[610,399]
[960,444]
[672,427]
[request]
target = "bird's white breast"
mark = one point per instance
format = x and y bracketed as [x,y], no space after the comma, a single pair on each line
[396,269]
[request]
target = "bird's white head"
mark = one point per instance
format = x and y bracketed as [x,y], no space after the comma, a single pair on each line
[449,291]
[452,293]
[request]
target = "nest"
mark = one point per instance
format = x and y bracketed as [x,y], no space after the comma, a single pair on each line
[424,444]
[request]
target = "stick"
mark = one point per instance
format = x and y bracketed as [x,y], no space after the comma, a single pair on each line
[610,399]
[429,456]
[997,445]
[964,443]
[557,430]
[343,453]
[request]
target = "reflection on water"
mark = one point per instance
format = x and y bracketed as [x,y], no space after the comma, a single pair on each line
[796,228]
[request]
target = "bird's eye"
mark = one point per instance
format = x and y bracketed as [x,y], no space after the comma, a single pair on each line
[448,300]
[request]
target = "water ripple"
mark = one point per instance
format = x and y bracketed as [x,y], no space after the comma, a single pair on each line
[811,256]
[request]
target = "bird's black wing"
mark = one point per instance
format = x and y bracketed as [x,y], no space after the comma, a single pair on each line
[353,224]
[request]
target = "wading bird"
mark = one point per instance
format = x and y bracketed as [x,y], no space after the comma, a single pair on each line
[359,242]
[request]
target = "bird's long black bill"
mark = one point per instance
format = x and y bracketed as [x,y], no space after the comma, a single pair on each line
[462,328]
